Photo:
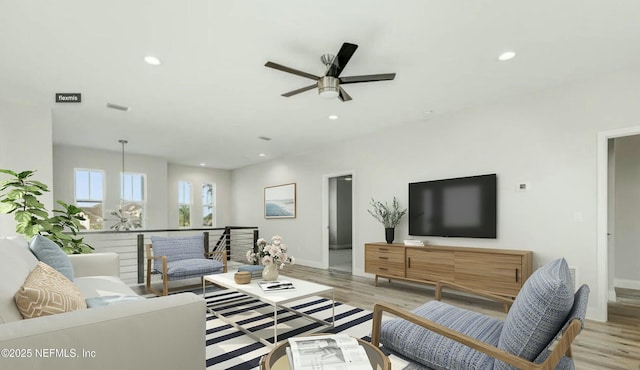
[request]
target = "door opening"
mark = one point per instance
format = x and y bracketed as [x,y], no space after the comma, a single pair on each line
[340,225]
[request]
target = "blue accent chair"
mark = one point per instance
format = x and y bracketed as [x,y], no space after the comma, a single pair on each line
[537,332]
[181,257]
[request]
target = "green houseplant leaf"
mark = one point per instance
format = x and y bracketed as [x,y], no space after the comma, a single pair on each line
[32,218]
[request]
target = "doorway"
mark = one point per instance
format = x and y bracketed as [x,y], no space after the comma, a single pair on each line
[605,255]
[623,215]
[340,226]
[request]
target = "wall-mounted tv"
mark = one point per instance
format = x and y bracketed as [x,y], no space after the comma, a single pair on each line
[460,207]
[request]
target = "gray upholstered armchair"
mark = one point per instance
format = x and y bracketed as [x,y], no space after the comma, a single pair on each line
[537,333]
[183,257]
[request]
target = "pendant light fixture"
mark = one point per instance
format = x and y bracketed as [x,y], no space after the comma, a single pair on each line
[128,216]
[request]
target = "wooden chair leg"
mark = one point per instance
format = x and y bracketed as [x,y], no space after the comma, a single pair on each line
[165,277]
[148,274]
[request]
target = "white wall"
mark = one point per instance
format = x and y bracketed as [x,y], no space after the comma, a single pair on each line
[25,144]
[546,139]
[199,176]
[627,212]
[66,158]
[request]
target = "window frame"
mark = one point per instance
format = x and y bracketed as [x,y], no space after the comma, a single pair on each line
[100,201]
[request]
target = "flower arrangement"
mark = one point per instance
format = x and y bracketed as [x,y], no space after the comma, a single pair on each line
[276,253]
[388,216]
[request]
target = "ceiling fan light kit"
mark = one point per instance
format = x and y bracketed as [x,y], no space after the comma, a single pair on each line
[329,84]
[328,87]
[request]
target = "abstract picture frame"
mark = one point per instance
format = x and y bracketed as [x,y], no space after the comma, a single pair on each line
[280,201]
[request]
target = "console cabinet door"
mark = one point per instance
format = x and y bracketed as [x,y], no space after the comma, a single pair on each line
[384,260]
[430,265]
[494,272]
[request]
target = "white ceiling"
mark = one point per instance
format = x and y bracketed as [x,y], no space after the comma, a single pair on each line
[212,96]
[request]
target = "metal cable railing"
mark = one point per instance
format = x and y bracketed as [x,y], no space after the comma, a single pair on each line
[129,245]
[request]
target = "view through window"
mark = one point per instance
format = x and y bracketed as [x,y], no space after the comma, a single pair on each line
[89,194]
[184,204]
[133,195]
[208,205]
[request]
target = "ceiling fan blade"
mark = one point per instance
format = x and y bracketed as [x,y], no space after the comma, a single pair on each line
[343,95]
[282,68]
[341,59]
[298,91]
[367,78]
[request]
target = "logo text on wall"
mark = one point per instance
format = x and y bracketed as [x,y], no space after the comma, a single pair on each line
[68,97]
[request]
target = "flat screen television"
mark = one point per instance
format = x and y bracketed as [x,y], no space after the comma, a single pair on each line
[460,207]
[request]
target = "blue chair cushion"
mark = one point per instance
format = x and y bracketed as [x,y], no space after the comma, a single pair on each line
[50,253]
[538,312]
[436,351]
[177,248]
[195,267]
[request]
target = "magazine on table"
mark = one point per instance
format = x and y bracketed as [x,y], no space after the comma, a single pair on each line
[275,285]
[327,352]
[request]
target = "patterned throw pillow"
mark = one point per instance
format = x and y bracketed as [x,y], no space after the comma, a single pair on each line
[47,292]
[538,313]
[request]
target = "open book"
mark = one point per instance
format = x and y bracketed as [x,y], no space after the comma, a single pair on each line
[275,285]
[327,352]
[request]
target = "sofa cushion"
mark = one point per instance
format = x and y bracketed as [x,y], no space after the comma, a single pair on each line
[177,248]
[16,262]
[101,286]
[538,312]
[111,299]
[436,351]
[196,267]
[47,292]
[50,253]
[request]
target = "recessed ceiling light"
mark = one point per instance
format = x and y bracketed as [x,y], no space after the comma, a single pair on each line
[261,155]
[333,117]
[203,164]
[507,55]
[150,59]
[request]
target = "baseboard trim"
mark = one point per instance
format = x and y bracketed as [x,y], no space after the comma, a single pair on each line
[626,283]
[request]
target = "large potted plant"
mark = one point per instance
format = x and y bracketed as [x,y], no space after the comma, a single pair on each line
[21,200]
[388,216]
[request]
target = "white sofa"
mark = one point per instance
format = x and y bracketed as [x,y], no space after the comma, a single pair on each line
[158,333]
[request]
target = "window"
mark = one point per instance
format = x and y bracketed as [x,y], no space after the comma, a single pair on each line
[89,194]
[208,205]
[132,194]
[184,204]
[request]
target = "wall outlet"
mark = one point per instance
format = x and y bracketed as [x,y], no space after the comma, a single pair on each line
[523,186]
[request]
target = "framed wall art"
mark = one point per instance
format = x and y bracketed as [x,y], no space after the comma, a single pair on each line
[280,201]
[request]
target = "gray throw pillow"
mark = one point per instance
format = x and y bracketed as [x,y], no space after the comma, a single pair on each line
[50,253]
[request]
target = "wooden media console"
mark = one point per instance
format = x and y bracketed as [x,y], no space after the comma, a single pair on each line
[498,271]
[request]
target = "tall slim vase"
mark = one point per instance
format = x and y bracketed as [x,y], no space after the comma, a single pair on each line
[389,234]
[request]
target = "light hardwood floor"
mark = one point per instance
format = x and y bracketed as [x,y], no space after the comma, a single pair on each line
[611,345]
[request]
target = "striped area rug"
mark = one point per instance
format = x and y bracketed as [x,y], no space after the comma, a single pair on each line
[229,348]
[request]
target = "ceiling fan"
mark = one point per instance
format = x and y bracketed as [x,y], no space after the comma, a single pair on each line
[329,84]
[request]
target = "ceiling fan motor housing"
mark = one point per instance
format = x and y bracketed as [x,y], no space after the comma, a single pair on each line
[328,87]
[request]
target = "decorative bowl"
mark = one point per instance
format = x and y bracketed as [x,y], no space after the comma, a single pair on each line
[242,277]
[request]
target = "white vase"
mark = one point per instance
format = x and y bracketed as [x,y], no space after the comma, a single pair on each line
[270,272]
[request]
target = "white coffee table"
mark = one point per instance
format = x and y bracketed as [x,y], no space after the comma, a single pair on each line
[277,299]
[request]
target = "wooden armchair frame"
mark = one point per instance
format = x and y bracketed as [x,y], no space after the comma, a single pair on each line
[218,255]
[562,346]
